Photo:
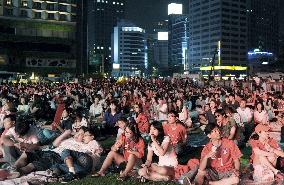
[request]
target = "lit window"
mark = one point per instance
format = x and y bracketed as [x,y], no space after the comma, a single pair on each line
[9,2]
[117,3]
[121,3]
[103,1]
[113,2]
[98,47]
[102,47]
[25,3]
[98,1]
[106,1]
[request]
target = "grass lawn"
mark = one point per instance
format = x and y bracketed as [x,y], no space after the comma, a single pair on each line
[110,179]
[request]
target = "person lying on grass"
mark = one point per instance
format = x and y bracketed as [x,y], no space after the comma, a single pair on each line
[132,146]
[220,160]
[161,146]
[80,162]
[265,152]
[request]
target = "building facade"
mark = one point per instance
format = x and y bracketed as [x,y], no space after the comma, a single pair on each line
[161,53]
[129,53]
[178,38]
[217,26]
[104,17]
[263,26]
[38,36]
[178,43]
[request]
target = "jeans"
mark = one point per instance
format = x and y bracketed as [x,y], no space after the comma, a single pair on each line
[46,136]
[11,154]
[83,163]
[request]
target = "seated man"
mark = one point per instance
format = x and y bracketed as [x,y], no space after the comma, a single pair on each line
[219,163]
[265,152]
[22,137]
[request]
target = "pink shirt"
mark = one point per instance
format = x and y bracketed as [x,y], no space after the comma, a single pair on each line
[29,138]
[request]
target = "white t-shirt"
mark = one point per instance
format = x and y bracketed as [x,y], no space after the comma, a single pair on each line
[163,108]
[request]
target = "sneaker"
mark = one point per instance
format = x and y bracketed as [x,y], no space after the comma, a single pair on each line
[68,177]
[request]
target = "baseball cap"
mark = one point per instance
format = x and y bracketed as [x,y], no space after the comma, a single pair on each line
[261,127]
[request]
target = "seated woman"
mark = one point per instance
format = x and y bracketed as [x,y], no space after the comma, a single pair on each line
[141,120]
[161,146]
[265,152]
[132,145]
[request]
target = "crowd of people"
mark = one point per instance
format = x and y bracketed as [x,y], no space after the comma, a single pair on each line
[59,127]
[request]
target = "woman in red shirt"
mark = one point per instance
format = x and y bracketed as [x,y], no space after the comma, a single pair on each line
[141,119]
[132,146]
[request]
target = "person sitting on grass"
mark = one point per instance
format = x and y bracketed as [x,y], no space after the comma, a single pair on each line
[132,146]
[220,160]
[121,124]
[176,131]
[265,152]
[161,146]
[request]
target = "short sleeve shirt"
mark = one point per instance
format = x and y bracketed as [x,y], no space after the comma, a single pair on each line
[227,153]
[139,146]
[257,144]
[176,135]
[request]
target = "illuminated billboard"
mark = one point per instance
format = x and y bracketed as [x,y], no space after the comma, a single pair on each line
[162,35]
[174,8]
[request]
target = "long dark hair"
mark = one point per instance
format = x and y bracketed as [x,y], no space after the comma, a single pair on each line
[134,129]
[158,125]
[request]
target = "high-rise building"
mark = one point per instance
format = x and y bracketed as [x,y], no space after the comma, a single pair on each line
[38,35]
[105,15]
[217,25]
[263,26]
[161,53]
[129,53]
[178,38]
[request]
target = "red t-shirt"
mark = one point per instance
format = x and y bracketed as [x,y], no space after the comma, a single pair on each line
[143,123]
[257,144]
[58,115]
[228,151]
[177,135]
[138,147]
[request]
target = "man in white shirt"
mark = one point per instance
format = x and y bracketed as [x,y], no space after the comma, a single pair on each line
[246,118]
[22,137]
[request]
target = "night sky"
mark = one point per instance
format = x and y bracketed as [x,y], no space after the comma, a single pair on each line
[145,13]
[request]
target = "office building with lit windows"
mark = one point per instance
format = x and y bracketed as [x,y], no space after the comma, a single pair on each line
[160,48]
[103,17]
[217,25]
[129,53]
[38,35]
[178,38]
[263,26]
